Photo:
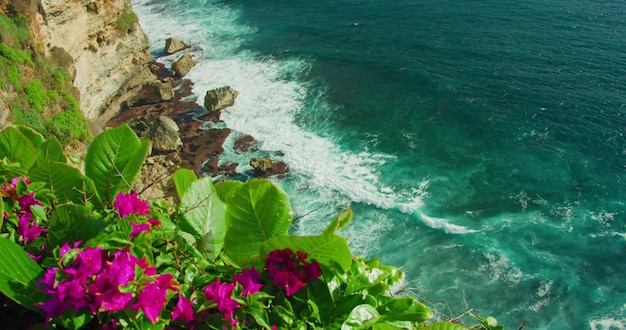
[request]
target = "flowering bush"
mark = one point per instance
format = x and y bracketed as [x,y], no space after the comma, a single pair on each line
[86,251]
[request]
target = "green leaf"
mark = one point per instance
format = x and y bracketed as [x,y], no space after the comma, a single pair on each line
[445,326]
[19,275]
[255,212]
[323,248]
[17,147]
[35,137]
[72,223]
[66,182]
[203,217]
[182,180]
[318,293]
[226,187]
[392,325]
[339,222]
[361,317]
[405,309]
[113,160]
[51,149]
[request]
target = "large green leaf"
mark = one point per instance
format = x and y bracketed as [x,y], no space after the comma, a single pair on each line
[51,149]
[72,223]
[255,212]
[445,326]
[405,309]
[66,183]
[323,248]
[226,187]
[35,137]
[113,160]
[203,216]
[17,147]
[19,275]
[361,317]
[339,222]
[182,180]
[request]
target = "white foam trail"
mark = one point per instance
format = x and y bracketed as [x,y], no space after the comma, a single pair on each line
[439,223]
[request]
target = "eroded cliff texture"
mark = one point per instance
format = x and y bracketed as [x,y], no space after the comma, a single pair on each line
[100,41]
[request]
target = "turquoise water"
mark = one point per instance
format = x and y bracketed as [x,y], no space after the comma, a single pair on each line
[480,143]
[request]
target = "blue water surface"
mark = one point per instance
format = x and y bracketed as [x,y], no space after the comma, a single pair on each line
[480,143]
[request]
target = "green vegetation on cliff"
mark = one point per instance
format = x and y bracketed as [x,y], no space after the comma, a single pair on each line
[39,93]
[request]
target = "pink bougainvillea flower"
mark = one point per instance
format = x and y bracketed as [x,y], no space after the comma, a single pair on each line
[222,293]
[311,271]
[29,230]
[183,311]
[87,263]
[10,190]
[290,274]
[112,325]
[127,204]
[155,223]
[53,307]
[139,228]
[250,280]
[152,298]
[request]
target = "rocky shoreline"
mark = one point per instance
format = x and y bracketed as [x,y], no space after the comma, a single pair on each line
[165,109]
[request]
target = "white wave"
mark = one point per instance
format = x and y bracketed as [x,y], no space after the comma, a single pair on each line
[440,223]
[608,324]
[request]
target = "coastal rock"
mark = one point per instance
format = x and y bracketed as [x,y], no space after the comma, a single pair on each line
[165,137]
[181,67]
[244,144]
[261,164]
[151,93]
[155,180]
[173,45]
[220,98]
[265,167]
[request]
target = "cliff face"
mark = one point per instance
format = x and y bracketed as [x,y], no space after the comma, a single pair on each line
[108,51]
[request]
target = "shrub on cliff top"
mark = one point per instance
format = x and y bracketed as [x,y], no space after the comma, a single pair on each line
[84,250]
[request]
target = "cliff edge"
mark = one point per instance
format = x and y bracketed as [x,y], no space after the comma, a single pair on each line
[99,41]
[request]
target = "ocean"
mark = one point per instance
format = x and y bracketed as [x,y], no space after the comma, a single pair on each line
[480,144]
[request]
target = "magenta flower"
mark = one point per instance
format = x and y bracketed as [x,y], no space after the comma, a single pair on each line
[87,263]
[127,204]
[250,281]
[152,298]
[29,231]
[222,293]
[183,310]
[290,274]
[139,228]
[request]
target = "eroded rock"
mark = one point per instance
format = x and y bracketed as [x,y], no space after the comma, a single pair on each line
[165,137]
[220,98]
[182,66]
[173,45]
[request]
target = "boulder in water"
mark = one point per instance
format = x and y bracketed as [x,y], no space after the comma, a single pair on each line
[220,98]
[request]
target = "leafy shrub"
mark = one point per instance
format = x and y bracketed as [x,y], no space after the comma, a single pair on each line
[222,258]
[36,94]
[125,22]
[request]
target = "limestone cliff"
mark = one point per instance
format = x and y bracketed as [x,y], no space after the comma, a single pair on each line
[109,52]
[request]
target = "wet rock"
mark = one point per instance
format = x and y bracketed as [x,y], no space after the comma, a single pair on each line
[220,98]
[182,66]
[173,45]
